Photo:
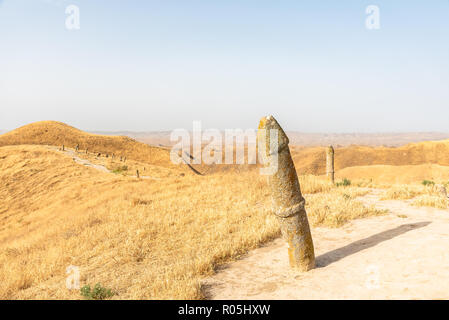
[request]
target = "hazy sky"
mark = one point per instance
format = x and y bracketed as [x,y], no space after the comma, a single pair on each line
[158,65]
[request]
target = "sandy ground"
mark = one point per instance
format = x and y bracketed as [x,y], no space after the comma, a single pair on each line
[403,255]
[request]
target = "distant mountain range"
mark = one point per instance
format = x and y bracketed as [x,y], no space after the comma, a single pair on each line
[162,138]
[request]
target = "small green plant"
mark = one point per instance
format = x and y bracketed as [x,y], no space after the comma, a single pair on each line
[428,183]
[97,293]
[120,170]
[344,183]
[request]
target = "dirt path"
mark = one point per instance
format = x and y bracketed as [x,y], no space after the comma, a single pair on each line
[85,162]
[403,255]
[102,168]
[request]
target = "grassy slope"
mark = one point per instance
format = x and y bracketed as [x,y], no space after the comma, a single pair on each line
[388,174]
[57,134]
[313,160]
[142,238]
[145,239]
[307,160]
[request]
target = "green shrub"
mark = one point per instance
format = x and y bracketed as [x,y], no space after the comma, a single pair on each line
[344,183]
[97,293]
[120,170]
[428,183]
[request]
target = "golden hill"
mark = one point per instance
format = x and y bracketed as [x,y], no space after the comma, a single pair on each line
[143,238]
[308,160]
[57,134]
[313,160]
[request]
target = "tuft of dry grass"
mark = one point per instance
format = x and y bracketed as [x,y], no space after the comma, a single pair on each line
[402,192]
[312,184]
[338,206]
[369,183]
[434,201]
[409,191]
[422,195]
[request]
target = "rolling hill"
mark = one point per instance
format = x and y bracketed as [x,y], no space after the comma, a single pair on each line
[57,134]
[157,238]
[313,160]
[143,238]
[308,160]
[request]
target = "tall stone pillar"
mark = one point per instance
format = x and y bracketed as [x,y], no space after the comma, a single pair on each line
[287,200]
[330,172]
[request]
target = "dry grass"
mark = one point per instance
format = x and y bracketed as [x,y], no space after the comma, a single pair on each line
[403,192]
[412,162]
[144,239]
[312,184]
[128,167]
[434,201]
[338,206]
[423,196]
[156,238]
[426,154]
[151,238]
[394,174]
[54,133]
[408,191]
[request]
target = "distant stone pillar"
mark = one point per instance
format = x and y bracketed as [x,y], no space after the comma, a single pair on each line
[330,171]
[287,200]
[442,190]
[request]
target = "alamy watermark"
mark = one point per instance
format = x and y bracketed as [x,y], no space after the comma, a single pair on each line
[72,21]
[72,281]
[212,146]
[372,21]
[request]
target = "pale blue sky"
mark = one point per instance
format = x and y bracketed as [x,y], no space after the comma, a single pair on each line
[159,65]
